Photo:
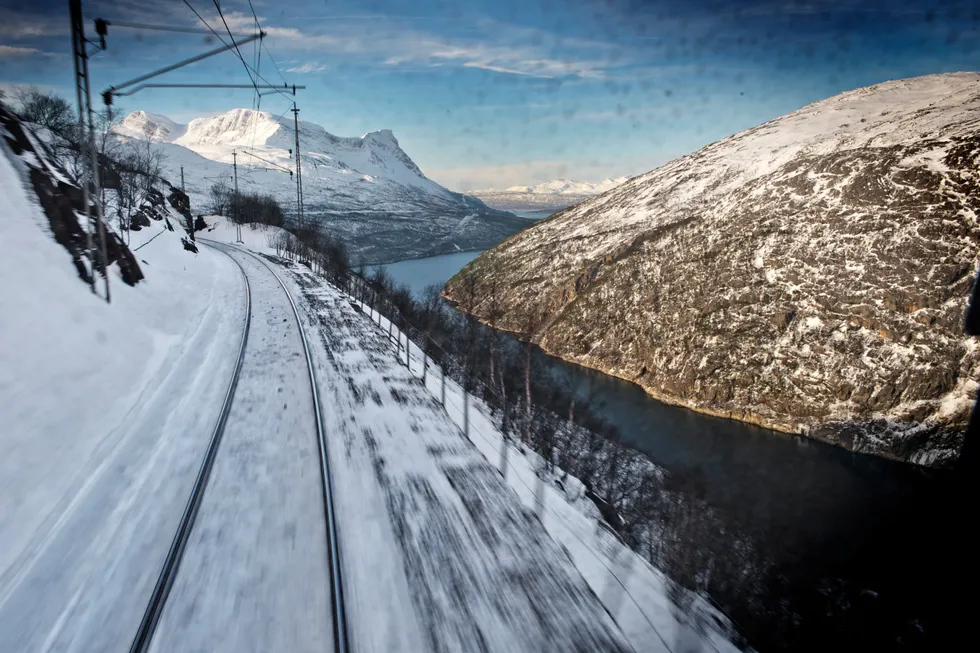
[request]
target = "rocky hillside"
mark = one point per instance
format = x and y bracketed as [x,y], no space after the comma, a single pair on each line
[62,202]
[809,274]
[365,190]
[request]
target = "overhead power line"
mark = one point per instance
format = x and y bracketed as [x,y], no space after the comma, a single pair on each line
[271,163]
[161,28]
[114,92]
[269,55]
[245,63]
[237,50]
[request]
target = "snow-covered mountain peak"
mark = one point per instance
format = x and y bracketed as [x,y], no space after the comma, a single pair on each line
[564,187]
[238,127]
[367,188]
[157,128]
[555,194]
[382,136]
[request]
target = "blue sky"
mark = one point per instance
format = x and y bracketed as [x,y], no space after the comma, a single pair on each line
[492,93]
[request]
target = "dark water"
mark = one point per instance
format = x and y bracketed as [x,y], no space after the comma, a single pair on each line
[421,272]
[812,495]
[891,531]
[532,214]
[891,539]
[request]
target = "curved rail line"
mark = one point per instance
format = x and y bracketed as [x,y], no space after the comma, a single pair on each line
[341,641]
[171,564]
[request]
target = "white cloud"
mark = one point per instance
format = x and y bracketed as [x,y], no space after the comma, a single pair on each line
[14,51]
[498,69]
[503,49]
[309,67]
[532,172]
[20,25]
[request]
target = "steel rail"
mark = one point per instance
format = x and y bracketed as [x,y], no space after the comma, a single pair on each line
[171,564]
[341,640]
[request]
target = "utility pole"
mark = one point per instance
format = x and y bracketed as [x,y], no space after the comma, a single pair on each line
[90,156]
[234,199]
[182,180]
[299,172]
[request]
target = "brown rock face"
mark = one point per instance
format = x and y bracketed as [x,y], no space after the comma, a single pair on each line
[61,200]
[809,274]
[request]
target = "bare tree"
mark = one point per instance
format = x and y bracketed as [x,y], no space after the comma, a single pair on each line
[46,110]
[140,166]
[219,196]
[530,324]
[493,310]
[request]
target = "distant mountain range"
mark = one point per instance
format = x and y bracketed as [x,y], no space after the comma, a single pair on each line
[554,195]
[809,274]
[365,190]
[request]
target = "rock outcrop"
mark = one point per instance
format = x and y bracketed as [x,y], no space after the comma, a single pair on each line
[62,201]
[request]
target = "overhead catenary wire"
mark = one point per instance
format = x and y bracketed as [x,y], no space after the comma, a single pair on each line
[270,57]
[160,28]
[257,59]
[276,165]
[237,49]
[275,89]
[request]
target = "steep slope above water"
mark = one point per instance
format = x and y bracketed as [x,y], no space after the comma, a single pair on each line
[809,274]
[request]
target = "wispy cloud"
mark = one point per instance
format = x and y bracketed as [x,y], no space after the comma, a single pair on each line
[500,48]
[12,51]
[499,69]
[23,25]
[309,67]
[513,59]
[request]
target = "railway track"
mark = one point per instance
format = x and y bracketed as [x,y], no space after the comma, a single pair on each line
[171,566]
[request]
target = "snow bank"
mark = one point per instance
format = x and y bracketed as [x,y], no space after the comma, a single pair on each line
[106,411]
[633,591]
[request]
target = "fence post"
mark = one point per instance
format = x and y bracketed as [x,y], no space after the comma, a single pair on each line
[443,370]
[425,365]
[503,457]
[466,413]
[408,353]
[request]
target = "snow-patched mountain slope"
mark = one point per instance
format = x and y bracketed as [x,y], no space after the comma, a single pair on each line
[555,194]
[366,190]
[809,274]
[141,124]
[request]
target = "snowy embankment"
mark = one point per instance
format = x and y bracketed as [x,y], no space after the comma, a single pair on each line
[106,411]
[632,591]
[256,237]
[438,554]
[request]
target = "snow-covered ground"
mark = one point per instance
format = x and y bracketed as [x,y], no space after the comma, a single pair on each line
[254,575]
[362,369]
[107,410]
